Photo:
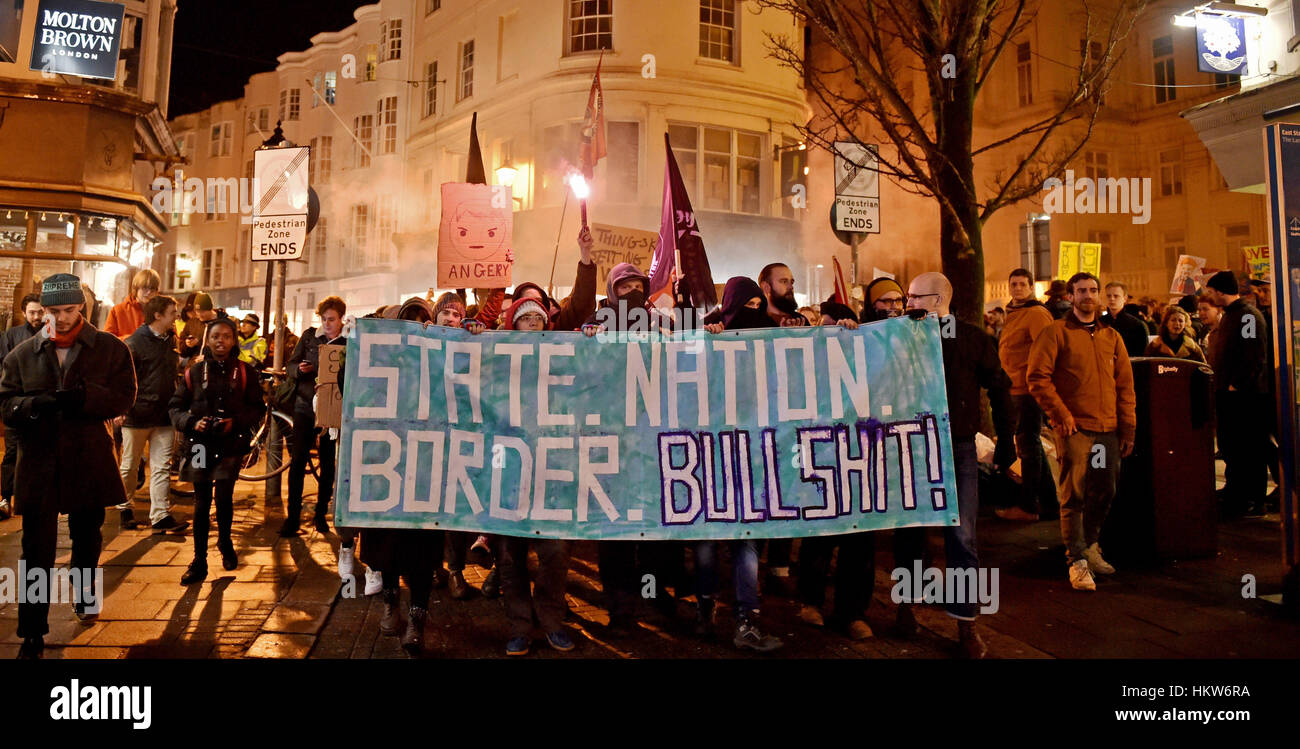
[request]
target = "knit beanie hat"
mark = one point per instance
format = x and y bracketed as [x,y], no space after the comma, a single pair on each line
[525,306]
[880,287]
[1223,282]
[60,289]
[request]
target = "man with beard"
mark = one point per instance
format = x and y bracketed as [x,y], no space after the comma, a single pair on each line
[1026,318]
[777,283]
[1079,373]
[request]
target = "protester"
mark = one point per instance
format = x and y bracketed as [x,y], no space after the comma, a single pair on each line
[575,310]
[1026,319]
[215,408]
[57,393]
[1131,329]
[1209,316]
[885,299]
[1079,373]
[194,333]
[814,317]
[127,316]
[252,347]
[1058,301]
[1264,303]
[31,325]
[994,320]
[290,341]
[302,366]
[153,353]
[1174,339]
[1241,393]
[970,362]
[777,283]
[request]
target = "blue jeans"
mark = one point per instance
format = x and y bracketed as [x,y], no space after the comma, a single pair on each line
[744,559]
[958,542]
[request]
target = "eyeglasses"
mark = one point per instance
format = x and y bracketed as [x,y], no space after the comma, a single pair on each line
[921,296]
[891,301]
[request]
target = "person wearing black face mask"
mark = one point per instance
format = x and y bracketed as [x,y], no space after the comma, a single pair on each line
[618,560]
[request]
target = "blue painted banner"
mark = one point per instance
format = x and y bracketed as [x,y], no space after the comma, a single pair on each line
[749,434]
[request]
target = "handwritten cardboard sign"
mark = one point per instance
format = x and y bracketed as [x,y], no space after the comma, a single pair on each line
[329,396]
[475,236]
[612,245]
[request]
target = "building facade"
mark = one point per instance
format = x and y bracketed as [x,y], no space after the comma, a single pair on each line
[79,155]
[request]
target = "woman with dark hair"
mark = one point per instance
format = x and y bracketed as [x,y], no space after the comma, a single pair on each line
[215,408]
[1173,339]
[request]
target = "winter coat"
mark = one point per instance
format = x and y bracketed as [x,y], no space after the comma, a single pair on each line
[970,362]
[156,366]
[1238,359]
[65,460]
[1131,329]
[1085,374]
[577,307]
[231,389]
[1024,323]
[1187,349]
[308,350]
[252,350]
[124,318]
[14,336]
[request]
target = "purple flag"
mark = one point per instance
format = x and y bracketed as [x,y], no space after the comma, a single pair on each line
[679,241]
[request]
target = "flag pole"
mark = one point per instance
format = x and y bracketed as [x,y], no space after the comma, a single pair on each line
[550,282]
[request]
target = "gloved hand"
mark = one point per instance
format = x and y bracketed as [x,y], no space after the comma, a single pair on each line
[72,400]
[1004,453]
[45,403]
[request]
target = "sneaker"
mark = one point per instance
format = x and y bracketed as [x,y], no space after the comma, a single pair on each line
[1081,576]
[6,511]
[129,523]
[457,586]
[1015,513]
[374,582]
[1095,562]
[749,636]
[347,561]
[392,619]
[481,545]
[517,646]
[169,523]
[31,648]
[860,630]
[560,640]
[812,616]
[196,572]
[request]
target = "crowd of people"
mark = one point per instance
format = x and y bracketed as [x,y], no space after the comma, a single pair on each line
[182,382]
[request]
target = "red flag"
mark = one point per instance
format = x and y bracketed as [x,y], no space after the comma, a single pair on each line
[593,126]
[841,293]
[680,262]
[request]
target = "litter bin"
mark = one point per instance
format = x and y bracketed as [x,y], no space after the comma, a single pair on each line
[1165,506]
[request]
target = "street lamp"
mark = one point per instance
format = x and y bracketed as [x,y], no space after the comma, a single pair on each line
[506,174]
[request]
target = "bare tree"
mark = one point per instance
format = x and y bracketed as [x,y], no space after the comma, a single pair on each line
[861,92]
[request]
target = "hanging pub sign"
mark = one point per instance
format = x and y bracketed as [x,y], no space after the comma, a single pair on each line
[78,37]
[1220,44]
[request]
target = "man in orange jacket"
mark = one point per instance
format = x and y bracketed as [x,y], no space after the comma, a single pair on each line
[1026,318]
[127,316]
[1079,373]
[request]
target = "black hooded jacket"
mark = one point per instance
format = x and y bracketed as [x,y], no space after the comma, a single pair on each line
[735,315]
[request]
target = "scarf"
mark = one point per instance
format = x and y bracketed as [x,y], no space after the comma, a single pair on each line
[65,340]
[1174,343]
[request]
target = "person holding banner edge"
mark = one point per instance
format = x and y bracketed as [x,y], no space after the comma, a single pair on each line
[970,362]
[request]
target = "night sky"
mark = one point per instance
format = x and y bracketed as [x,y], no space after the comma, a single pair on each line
[220,43]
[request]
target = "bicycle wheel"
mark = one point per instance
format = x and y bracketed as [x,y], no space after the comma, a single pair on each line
[257,464]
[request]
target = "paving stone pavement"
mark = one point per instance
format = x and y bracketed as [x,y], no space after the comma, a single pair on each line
[284,601]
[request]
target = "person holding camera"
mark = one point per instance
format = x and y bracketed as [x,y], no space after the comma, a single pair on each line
[215,408]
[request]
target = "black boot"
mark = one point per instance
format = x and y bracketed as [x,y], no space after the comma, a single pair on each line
[413,638]
[129,523]
[292,519]
[705,617]
[31,648]
[228,558]
[392,620]
[321,521]
[196,572]
[492,584]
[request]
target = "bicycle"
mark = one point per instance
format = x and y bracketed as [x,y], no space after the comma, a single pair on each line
[256,463]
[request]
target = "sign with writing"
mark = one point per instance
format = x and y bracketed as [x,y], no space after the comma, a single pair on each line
[1076,257]
[857,188]
[475,236]
[329,396]
[280,204]
[1220,44]
[767,433]
[1187,275]
[618,244]
[1259,262]
[77,37]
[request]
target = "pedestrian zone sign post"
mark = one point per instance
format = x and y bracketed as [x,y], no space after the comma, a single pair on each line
[857,188]
[280,208]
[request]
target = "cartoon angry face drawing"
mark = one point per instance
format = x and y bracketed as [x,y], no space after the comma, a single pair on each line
[478,231]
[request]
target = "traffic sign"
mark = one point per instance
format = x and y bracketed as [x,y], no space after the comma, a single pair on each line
[857,188]
[281,203]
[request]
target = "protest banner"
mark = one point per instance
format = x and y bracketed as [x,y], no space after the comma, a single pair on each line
[1187,275]
[1258,262]
[745,434]
[1067,262]
[329,397]
[612,245]
[475,236]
